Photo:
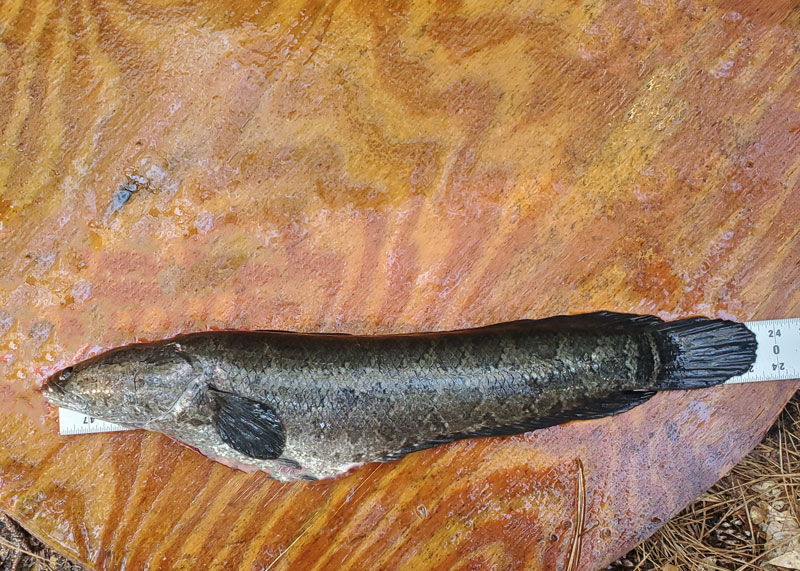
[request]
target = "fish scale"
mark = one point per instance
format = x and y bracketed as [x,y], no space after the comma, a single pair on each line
[314,406]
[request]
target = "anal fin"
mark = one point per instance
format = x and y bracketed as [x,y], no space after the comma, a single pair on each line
[614,403]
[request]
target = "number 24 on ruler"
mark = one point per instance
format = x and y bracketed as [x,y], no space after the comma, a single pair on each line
[778,355]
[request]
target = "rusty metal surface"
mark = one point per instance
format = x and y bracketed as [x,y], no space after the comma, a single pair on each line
[368,168]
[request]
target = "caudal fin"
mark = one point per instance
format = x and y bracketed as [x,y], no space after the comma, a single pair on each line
[699,352]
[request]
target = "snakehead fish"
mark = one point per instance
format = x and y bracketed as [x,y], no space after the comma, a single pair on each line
[309,406]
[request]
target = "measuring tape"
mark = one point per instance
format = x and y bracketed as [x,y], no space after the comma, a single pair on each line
[778,353]
[777,358]
[72,422]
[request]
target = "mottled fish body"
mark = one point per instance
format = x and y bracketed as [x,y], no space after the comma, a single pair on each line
[308,406]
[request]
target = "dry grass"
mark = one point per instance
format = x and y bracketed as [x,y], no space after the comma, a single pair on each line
[748,519]
[19,551]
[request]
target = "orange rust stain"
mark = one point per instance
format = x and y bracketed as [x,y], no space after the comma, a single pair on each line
[385,167]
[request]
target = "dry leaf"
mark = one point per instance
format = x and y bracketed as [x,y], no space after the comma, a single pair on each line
[767,488]
[758,513]
[783,538]
[709,562]
[790,560]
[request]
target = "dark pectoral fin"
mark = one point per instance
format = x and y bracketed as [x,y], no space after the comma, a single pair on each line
[249,426]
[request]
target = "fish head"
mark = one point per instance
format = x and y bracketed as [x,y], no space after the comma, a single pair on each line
[132,385]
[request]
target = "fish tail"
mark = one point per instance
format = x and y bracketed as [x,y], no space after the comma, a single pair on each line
[699,352]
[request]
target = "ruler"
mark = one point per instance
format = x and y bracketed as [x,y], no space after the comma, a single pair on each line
[777,358]
[72,422]
[778,354]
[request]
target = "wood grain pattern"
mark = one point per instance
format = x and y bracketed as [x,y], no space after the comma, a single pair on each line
[384,167]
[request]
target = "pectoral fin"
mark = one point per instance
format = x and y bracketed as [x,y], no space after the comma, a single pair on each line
[248,426]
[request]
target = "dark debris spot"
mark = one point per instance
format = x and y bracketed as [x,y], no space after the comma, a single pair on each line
[125,192]
[122,195]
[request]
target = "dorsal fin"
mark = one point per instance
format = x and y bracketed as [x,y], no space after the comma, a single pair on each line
[606,320]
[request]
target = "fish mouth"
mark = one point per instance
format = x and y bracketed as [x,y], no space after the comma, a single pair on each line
[53,390]
[56,394]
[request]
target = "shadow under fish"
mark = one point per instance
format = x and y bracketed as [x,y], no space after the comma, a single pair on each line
[310,406]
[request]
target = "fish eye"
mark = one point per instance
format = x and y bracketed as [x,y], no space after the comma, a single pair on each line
[65,374]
